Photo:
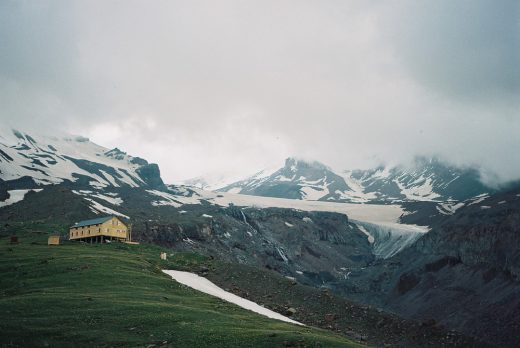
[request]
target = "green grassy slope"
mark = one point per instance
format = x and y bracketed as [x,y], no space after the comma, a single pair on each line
[115,295]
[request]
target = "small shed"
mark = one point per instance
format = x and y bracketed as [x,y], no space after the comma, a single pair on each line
[53,240]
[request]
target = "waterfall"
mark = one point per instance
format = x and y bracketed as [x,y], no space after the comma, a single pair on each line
[244,216]
[247,223]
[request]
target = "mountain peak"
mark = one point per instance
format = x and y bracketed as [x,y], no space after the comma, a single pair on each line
[35,160]
[295,162]
[425,179]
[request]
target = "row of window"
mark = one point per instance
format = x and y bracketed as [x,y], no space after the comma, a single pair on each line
[76,233]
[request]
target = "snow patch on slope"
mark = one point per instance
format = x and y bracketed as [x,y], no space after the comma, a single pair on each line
[108,197]
[420,190]
[52,160]
[97,208]
[202,284]
[16,196]
[167,198]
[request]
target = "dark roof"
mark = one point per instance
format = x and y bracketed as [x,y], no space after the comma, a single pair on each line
[92,221]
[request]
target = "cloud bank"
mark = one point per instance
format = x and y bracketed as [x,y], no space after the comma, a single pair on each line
[230,86]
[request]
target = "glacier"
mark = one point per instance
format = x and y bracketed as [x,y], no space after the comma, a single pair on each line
[390,238]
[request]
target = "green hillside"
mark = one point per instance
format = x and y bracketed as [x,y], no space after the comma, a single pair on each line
[116,295]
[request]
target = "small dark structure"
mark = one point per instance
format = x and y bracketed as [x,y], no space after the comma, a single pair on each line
[14,240]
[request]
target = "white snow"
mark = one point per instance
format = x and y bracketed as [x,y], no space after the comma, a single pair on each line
[202,284]
[207,216]
[391,238]
[288,224]
[188,240]
[109,197]
[369,236]
[479,198]
[16,196]
[485,207]
[109,177]
[421,191]
[449,208]
[357,194]
[111,200]
[55,164]
[313,193]
[168,199]
[283,178]
[97,208]
[362,212]
[307,219]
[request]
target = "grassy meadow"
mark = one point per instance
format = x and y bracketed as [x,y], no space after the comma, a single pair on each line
[110,295]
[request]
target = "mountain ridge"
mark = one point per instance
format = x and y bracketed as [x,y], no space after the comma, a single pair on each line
[32,161]
[427,179]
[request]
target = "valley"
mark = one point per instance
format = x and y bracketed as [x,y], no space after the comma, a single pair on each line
[416,268]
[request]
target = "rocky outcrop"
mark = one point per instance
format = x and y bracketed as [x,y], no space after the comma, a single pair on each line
[4,194]
[151,175]
[464,274]
[316,248]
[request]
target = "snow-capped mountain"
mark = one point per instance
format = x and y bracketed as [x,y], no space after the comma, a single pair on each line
[424,180]
[296,179]
[30,161]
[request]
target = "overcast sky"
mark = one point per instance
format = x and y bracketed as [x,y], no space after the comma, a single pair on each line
[205,87]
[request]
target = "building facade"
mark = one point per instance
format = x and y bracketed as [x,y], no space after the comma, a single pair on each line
[99,230]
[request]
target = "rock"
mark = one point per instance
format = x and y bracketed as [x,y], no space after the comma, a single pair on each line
[429,322]
[291,311]
[330,317]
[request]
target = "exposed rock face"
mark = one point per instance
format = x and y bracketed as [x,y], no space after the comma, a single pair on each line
[313,247]
[463,274]
[151,174]
[3,192]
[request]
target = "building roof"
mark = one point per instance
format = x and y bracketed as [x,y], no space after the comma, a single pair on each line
[92,221]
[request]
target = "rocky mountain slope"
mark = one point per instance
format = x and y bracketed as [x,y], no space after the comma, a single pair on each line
[32,161]
[463,274]
[424,180]
[314,247]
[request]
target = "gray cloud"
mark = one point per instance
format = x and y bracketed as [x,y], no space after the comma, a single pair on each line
[229,86]
[461,49]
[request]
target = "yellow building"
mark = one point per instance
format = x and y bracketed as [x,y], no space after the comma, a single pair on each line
[53,240]
[99,230]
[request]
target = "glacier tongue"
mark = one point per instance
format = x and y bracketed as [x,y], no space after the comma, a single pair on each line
[390,238]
